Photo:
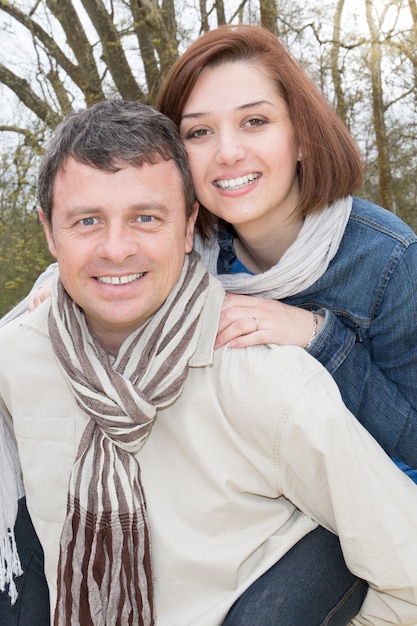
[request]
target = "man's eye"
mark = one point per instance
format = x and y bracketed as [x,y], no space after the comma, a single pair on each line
[145,218]
[88,221]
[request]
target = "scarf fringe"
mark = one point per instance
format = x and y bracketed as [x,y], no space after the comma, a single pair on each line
[109,562]
[10,565]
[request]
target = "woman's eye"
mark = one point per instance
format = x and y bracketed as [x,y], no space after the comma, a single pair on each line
[199,132]
[255,121]
[88,221]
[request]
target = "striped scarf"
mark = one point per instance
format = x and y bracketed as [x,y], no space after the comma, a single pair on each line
[104,571]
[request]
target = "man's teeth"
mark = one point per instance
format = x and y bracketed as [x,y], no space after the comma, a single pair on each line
[118,280]
[234,183]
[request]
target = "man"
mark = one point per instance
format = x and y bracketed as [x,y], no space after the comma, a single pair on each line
[115,392]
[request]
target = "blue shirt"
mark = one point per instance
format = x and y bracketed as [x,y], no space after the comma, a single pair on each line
[368,341]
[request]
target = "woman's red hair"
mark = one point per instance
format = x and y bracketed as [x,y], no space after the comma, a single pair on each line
[331,167]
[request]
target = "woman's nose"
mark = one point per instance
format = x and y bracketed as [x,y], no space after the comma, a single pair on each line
[230,148]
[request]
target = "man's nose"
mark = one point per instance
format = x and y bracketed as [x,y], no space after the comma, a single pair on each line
[117,243]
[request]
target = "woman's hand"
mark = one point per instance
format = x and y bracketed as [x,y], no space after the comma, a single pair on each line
[249,321]
[40,294]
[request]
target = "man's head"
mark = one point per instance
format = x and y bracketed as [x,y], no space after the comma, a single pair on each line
[108,133]
[118,213]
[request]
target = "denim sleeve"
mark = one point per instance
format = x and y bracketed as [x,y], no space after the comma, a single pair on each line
[377,377]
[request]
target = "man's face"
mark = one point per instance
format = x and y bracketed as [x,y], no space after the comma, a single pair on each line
[120,239]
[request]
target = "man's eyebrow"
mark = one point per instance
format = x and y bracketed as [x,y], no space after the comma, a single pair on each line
[135,206]
[82,210]
[149,206]
[242,107]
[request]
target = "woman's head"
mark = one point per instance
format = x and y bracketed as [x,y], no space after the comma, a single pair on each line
[331,166]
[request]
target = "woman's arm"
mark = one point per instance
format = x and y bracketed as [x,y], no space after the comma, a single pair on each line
[378,402]
[376,372]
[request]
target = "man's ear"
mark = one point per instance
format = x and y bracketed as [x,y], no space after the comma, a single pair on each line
[189,236]
[48,232]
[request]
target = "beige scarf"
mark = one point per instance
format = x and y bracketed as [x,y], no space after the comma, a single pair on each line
[104,572]
[303,263]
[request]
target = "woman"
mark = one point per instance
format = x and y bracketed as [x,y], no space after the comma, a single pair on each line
[267,151]
[274,170]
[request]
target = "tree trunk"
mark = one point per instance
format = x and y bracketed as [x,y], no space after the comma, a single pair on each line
[384,172]
[204,16]
[340,104]
[221,15]
[161,25]
[113,53]
[86,74]
[269,15]
[147,50]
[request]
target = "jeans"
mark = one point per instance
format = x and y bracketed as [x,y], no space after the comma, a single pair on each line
[32,605]
[309,586]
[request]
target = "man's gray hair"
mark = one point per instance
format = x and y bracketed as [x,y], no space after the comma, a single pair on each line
[106,136]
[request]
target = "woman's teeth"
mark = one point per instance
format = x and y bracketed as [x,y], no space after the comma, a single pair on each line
[235,183]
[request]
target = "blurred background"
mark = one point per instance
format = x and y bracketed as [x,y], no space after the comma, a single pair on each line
[59,55]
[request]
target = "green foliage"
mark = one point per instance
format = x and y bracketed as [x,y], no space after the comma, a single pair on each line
[23,256]
[23,250]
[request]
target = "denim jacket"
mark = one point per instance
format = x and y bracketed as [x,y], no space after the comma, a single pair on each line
[368,341]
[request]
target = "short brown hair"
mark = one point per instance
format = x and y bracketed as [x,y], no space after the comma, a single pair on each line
[332,166]
[111,133]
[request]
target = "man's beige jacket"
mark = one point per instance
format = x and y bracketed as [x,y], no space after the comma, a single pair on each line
[258,450]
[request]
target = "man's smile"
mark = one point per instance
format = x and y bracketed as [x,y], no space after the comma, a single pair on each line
[119,280]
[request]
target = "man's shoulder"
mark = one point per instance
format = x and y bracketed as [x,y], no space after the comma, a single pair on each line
[269,370]
[14,336]
[262,388]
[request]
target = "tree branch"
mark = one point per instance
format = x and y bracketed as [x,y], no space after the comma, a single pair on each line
[24,92]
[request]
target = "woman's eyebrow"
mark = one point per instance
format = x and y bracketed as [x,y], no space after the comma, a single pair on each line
[247,105]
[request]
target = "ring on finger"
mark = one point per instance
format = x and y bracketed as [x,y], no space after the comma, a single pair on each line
[256,324]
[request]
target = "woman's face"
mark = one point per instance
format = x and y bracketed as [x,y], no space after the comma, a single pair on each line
[241,146]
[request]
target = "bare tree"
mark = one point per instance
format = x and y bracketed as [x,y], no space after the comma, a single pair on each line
[81,51]
[76,61]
